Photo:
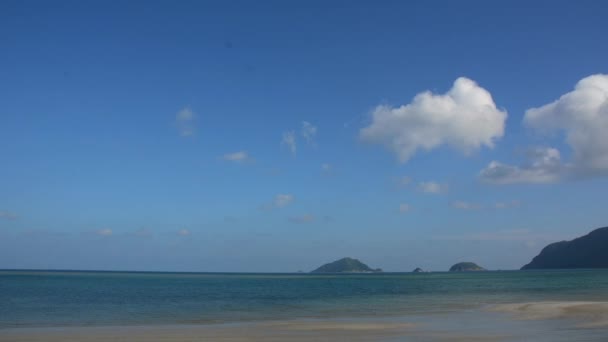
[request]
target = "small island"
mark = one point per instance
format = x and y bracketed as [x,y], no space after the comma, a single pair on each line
[466,267]
[589,251]
[346,265]
[418,270]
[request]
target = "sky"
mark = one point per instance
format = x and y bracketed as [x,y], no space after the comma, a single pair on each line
[275,136]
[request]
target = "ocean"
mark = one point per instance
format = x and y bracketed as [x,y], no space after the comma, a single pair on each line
[543,305]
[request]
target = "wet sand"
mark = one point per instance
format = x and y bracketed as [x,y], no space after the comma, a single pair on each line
[268,331]
[538,321]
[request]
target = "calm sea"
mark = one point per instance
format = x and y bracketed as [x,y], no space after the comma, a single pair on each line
[51,299]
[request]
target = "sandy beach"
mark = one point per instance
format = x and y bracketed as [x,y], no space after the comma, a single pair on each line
[268,331]
[504,322]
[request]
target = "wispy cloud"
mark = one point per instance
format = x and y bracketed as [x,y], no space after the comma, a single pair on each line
[7,215]
[308,132]
[282,200]
[104,232]
[327,169]
[143,233]
[289,140]
[432,187]
[302,219]
[183,232]
[404,181]
[236,157]
[279,201]
[542,165]
[463,205]
[185,120]
[505,235]
[404,208]
[507,205]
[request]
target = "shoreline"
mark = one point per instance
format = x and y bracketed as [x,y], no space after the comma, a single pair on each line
[541,321]
[278,330]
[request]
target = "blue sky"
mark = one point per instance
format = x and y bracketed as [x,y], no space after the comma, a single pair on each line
[276,136]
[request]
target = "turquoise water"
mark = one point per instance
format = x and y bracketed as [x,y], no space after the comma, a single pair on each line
[47,299]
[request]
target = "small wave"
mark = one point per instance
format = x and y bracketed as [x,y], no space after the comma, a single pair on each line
[587,314]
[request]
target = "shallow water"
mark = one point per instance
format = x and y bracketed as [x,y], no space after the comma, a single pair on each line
[490,304]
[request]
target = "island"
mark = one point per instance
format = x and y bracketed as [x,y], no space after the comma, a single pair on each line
[466,267]
[589,251]
[418,270]
[346,265]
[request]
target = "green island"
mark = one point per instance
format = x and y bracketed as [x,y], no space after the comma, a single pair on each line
[466,267]
[346,265]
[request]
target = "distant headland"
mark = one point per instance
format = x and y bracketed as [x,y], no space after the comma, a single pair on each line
[589,251]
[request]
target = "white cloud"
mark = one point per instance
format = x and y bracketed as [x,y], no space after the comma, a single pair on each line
[279,201]
[237,157]
[325,167]
[432,187]
[282,200]
[308,131]
[302,219]
[465,118]
[8,215]
[404,207]
[465,205]
[183,232]
[289,140]
[582,116]
[542,165]
[185,120]
[104,232]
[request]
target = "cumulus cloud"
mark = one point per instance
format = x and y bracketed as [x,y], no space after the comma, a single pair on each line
[185,121]
[302,219]
[582,117]
[8,215]
[432,187]
[104,232]
[462,205]
[289,140]
[542,165]
[236,157]
[308,132]
[404,208]
[465,118]
[183,232]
